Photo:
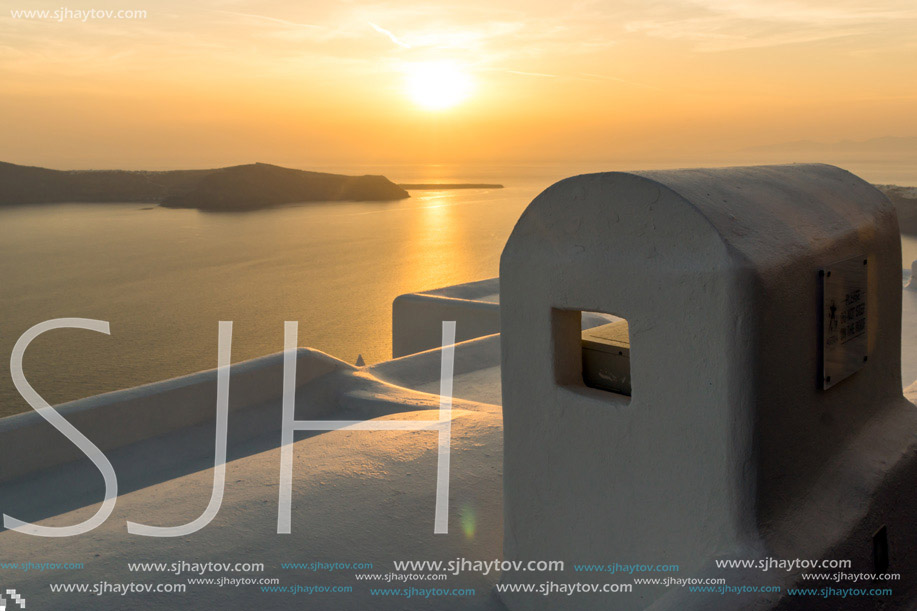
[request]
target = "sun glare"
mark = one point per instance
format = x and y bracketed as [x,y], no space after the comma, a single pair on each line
[437,85]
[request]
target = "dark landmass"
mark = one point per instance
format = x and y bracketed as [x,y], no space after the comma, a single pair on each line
[244,187]
[905,201]
[260,185]
[254,186]
[30,185]
[447,186]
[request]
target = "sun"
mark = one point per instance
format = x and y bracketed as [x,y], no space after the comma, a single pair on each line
[437,85]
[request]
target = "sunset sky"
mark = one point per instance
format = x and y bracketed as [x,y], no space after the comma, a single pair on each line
[299,83]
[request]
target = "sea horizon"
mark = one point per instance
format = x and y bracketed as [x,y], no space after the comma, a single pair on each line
[164,277]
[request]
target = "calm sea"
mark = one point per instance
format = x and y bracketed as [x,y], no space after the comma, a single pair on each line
[164,278]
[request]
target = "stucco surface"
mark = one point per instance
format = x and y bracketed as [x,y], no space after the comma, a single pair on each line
[716,272]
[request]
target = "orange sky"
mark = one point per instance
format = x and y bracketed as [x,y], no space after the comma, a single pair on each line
[322,82]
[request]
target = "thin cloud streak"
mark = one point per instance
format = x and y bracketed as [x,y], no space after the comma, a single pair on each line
[391,36]
[725,25]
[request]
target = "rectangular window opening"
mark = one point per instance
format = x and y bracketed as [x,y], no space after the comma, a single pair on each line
[605,345]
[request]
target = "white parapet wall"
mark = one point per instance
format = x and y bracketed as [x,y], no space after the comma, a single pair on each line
[417,318]
[112,420]
[740,439]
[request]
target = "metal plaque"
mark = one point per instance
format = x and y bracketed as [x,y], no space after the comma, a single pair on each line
[844,339]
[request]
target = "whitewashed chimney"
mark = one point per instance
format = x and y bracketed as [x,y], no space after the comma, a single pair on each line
[765,414]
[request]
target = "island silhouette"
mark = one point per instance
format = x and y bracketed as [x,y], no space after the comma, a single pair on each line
[242,187]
